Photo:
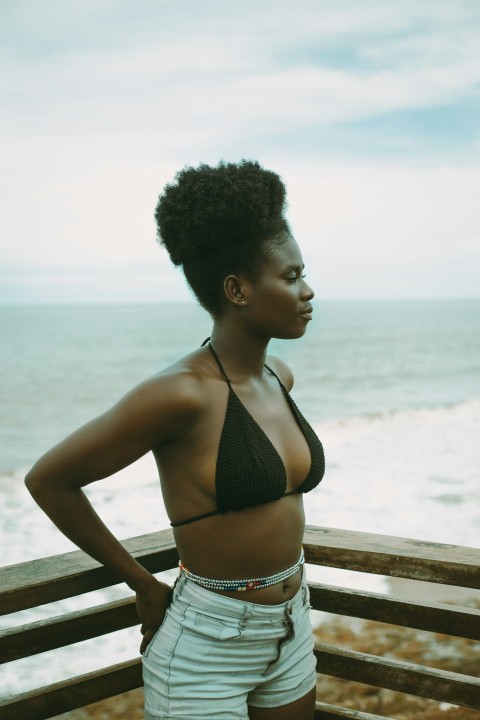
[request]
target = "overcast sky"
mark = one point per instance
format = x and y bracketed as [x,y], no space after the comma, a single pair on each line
[370,111]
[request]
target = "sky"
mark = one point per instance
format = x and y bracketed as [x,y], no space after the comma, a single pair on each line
[369,111]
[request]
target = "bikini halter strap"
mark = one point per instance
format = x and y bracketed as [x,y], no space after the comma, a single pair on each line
[217,360]
[220,366]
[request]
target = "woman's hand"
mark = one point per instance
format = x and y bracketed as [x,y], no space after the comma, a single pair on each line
[152,604]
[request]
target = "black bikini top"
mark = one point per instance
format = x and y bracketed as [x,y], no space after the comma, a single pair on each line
[249,469]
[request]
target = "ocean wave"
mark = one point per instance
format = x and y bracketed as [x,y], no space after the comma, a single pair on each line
[387,473]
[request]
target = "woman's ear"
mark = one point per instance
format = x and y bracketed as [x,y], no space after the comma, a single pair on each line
[235,290]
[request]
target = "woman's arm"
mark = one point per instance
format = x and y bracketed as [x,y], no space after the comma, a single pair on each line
[159,410]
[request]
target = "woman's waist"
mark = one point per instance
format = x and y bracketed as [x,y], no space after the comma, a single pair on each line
[272,595]
[254,541]
[270,599]
[262,586]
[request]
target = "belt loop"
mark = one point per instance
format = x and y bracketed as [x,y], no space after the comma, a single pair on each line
[288,623]
[245,617]
[306,596]
[178,584]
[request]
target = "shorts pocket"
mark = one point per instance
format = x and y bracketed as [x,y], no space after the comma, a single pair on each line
[150,644]
[210,626]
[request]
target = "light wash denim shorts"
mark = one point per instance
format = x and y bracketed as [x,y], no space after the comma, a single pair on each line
[215,655]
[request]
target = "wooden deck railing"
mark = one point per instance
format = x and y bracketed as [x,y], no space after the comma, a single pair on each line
[49,579]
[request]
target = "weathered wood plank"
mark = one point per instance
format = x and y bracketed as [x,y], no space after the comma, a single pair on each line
[325,711]
[434,617]
[393,556]
[398,675]
[41,581]
[74,693]
[81,625]
[67,629]
[48,579]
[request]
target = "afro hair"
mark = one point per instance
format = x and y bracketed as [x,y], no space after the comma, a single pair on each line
[216,221]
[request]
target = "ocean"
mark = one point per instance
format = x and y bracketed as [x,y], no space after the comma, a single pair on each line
[392,388]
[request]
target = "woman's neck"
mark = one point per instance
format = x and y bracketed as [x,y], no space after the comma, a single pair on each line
[242,354]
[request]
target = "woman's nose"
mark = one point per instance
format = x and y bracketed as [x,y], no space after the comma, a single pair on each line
[307,292]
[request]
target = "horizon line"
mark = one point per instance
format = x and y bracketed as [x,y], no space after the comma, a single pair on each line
[192,302]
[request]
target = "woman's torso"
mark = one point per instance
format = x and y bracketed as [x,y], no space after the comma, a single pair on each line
[254,541]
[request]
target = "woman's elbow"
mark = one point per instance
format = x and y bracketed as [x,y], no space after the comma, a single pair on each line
[46,481]
[34,483]
[39,480]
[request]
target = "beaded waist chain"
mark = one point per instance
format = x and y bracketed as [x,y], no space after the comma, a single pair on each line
[250,584]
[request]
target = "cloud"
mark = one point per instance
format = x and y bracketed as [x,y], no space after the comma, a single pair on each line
[354,103]
[366,230]
[220,75]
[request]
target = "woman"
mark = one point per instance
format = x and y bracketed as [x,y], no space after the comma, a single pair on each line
[234,455]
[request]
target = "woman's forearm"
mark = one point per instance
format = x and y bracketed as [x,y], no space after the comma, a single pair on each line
[71,511]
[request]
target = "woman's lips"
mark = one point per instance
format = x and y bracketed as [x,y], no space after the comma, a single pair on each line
[307,314]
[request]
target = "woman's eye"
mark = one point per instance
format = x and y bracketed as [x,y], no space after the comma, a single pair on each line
[294,278]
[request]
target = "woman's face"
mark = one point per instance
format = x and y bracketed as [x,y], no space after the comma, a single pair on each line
[278,302]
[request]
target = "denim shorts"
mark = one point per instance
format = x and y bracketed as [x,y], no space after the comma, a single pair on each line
[213,655]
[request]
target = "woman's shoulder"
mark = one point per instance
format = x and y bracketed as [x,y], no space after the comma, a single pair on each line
[283,370]
[163,407]
[166,404]
[182,383]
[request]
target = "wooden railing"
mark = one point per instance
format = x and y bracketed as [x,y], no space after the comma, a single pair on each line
[54,578]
